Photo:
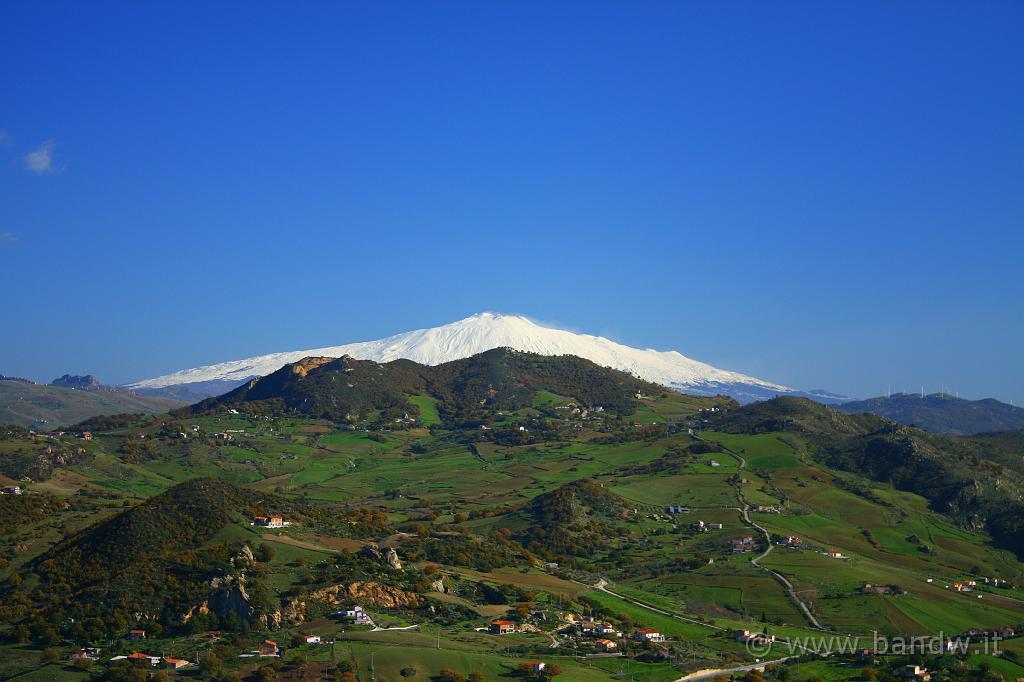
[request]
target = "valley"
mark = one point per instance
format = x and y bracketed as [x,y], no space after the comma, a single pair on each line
[667,512]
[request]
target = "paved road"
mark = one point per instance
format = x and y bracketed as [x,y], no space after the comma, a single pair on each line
[602,586]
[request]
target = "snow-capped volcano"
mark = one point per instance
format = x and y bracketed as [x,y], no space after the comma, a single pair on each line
[476,334]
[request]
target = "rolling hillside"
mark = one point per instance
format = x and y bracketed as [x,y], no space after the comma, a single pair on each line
[48,407]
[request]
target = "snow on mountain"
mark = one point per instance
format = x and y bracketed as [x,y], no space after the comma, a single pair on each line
[479,333]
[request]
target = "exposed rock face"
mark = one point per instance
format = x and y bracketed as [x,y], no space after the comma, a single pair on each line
[229,596]
[203,608]
[389,556]
[438,585]
[367,593]
[292,612]
[76,381]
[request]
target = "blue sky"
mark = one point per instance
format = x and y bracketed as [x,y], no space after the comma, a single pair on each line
[821,194]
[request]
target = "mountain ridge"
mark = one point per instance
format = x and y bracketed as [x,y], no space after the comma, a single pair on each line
[943,413]
[486,331]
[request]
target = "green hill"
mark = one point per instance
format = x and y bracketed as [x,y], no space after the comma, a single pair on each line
[942,413]
[48,407]
[965,478]
[468,391]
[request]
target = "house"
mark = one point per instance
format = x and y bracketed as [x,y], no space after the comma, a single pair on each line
[715,526]
[606,645]
[86,654]
[648,635]
[268,647]
[754,637]
[676,509]
[961,587]
[272,521]
[535,667]
[357,615]
[502,627]
[835,554]
[86,435]
[223,436]
[174,663]
[714,463]
[594,628]
[138,658]
[312,639]
[136,634]
[791,541]
[10,490]
[699,526]
[915,672]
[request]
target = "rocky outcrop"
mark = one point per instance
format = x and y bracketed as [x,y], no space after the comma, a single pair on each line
[229,596]
[368,593]
[438,585]
[388,557]
[291,613]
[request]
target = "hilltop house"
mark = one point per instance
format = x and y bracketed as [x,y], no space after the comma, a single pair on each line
[648,635]
[502,627]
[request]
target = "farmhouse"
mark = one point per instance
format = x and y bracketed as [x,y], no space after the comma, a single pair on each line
[754,637]
[272,521]
[268,647]
[835,554]
[535,667]
[11,490]
[502,627]
[136,634]
[915,672]
[648,635]
[87,654]
[357,615]
[791,541]
[312,639]
[606,645]
[142,658]
[594,628]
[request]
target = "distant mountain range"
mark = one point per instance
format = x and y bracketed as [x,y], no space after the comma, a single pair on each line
[943,413]
[479,333]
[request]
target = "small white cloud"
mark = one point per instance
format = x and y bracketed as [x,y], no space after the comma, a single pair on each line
[40,160]
[7,239]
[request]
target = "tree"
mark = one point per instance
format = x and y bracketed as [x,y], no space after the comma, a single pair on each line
[476,676]
[551,669]
[210,663]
